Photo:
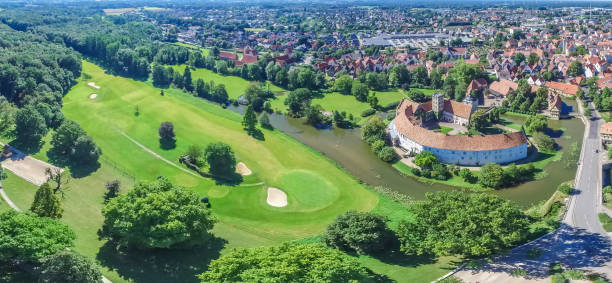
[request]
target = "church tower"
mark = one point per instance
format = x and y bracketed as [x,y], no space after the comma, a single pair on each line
[437,104]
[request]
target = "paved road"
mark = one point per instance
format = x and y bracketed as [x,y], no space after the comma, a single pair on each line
[579,243]
[582,213]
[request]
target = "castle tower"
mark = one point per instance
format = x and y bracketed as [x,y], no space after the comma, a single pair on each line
[437,104]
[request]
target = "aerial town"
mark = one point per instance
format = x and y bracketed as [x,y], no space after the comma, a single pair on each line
[320,141]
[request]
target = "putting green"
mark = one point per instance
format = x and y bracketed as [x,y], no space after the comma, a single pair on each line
[307,191]
[124,119]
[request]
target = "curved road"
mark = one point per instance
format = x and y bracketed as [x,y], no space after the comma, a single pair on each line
[579,243]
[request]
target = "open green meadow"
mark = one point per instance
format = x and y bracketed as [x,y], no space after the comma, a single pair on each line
[205,51]
[235,86]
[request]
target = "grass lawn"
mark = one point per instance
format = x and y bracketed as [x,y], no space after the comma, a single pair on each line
[606,221]
[234,85]
[510,124]
[444,130]
[455,181]
[205,51]
[336,101]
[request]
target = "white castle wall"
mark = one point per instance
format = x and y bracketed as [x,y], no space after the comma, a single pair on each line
[462,157]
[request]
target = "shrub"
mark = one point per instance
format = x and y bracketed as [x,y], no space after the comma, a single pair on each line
[67,266]
[468,176]
[518,272]
[574,274]
[607,190]
[416,171]
[368,112]
[544,142]
[378,145]
[491,175]
[558,278]
[387,154]
[360,232]
[565,188]
[534,253]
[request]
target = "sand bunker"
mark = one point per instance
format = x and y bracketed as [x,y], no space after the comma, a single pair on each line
[92,84]
[242,169]
[276,197]
[93,96]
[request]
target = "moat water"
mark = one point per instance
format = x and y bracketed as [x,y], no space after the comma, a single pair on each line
[345,147]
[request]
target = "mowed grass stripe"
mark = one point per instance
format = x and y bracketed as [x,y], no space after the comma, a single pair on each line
[199,122]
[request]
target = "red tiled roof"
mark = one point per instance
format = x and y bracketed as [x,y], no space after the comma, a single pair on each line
[428,138]
[503,86]
[457,108]
[228,55]
[563,87]
[248,59]
[606,128]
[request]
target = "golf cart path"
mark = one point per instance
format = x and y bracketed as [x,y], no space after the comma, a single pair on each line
[154,154]
[7,199]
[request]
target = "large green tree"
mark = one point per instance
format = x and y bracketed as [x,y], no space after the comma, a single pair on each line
[65,137]
[157,215]
[575,69]
[360,232]
[478,121]
[373,130]
[360,91]
[27,237]
[85,151]
[476,224]
[249,120]
[308,263]
[491,175]
[68,266]
[30,126]
[46,203]
[343,84]
[220,159]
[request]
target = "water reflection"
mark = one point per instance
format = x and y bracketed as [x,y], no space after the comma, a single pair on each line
[345,147]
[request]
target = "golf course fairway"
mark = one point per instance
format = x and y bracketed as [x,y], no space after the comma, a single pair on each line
[124,117]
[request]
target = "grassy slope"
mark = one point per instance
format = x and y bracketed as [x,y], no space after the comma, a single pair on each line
[319,192]
[235,86]
[279,160]
[205,51]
